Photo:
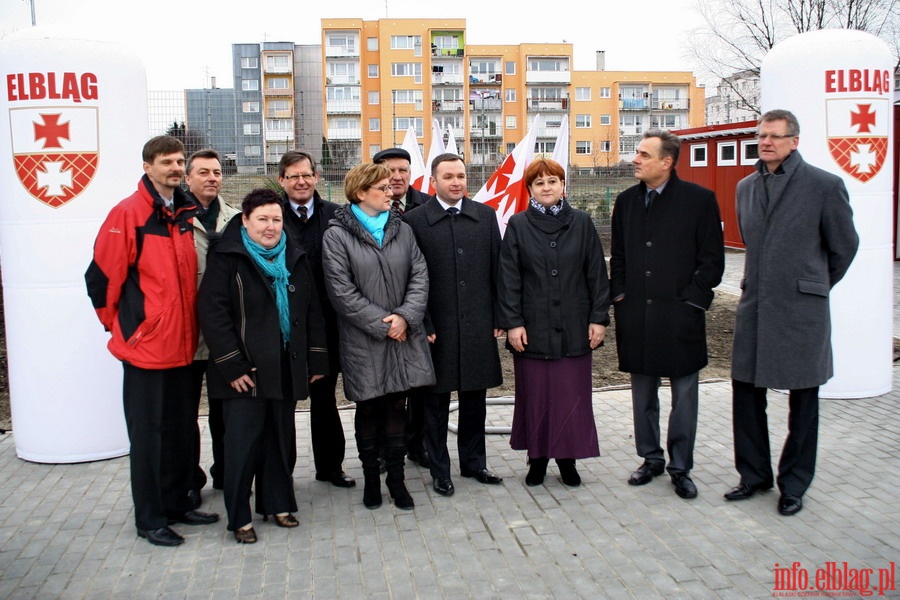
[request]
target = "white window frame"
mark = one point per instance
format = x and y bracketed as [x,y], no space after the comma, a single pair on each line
[745,146]
[374,124]
[509,67]
[250,85]
[605,146]
[249,62]
[720,150]
[605,92]
[605,119]
[374,97]
[510,121]
[250,107]
[372,44]
[698,162]
[582,121]
[509,95]
[582,94]
[372,71]
[252,129]
[252,150]
[583,147]
[270,83]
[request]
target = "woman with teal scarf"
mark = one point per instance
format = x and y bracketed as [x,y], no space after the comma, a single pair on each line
[261,318]
[377,280]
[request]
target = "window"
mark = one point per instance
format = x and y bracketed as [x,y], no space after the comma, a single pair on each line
[275,151]
[510,67]
[277,62]
[510,146]
[544,147]
[445,42]
[583,147]
[605,120]
[373,71]
[510,95]
[405,42]
[343,41]
[605,146]
[582,121]
[250,107]
[484,67]
[372,44]
[375,124]
[407,96]
[278,83]
[251,128]
[374,149]
[404,123]
[698,155]
[350,92]
[413,70]
[374,97]
[249,62]
[511,121]
[727,154]
[604,92]
[252,150]
[626,146]
[749,152]
[547,64]
[279,125]
[277,108]
[249,85]
[582,93]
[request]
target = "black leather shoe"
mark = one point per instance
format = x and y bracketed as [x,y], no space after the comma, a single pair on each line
[161,537]
[444,486]
[744,491]
[194,517]
[337,479]
[789,505]
[684,487]
[194,498]
[483,476]
[645,473]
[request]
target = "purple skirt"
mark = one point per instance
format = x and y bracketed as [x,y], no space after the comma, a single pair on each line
[553,415]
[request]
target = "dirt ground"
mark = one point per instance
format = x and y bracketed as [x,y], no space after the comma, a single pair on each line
[720,325]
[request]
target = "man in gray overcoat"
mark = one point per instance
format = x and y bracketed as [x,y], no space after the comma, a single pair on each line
[667,256]
[461,243]
[797,225]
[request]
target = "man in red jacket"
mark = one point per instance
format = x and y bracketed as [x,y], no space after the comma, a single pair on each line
[142,282]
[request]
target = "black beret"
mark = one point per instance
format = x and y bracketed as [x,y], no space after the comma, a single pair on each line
[391,153]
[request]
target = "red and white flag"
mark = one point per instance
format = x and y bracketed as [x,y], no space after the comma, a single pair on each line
[561,150]
[418,175]
[435,150]
[505,191]
[451,140]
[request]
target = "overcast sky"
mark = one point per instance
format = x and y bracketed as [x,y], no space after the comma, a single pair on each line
[183,42]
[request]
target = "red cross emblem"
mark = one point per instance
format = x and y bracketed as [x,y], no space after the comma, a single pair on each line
[858,135]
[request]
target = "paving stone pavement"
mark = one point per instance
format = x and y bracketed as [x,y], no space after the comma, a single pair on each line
[66,531]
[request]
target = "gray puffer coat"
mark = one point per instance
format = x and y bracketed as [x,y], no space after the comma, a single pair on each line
[366,283]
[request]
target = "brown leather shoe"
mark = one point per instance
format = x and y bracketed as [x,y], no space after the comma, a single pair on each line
[245,536]
[287,520]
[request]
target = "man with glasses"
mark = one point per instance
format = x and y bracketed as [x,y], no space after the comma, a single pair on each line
[306,216]
[797,225]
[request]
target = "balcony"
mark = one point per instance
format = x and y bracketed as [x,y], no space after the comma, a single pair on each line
[342,80]
[634,104]
[343,106]
[341,51]
[344,133]
[477,103]
[548,105]
[671,104]
[279,136]
[564,77]
[269,92]
[279,114]
[491,79]
[489,130]
[447,105]
[447,52]
[441,79]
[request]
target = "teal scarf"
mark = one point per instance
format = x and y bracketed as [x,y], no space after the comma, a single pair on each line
[271,263]
[374,225]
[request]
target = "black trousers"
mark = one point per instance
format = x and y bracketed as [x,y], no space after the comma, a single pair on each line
[470,437]
[415,420]
[752,457]
[682,430]
[161,420]
[198,372]
[260,443]
[326,430]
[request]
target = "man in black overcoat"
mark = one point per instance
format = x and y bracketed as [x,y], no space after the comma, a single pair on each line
[461,243]
[306,216]
[667,256]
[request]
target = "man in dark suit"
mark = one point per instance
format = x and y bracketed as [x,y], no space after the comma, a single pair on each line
[667,256]
[461,243]
[797,225]
[406,198]
[306,216]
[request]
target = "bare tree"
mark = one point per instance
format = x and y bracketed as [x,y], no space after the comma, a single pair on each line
[738,33]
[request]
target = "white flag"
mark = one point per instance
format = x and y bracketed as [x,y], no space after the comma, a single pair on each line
[561,150]
[435,150]
[418,176]
[451,140]
[505,191]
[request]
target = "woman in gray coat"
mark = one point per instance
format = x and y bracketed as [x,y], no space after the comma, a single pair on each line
[377,280]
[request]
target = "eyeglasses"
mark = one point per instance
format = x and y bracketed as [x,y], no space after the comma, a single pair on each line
[306,177]
[774,136]
[383,188]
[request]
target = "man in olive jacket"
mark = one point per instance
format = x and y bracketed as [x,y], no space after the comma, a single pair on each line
[461,243]
[667,256]
[797,225]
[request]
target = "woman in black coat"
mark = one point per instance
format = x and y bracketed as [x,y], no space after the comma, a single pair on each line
[261,318]
[554,303]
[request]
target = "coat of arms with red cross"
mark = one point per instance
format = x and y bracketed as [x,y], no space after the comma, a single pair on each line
[858,135]
[55,150]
